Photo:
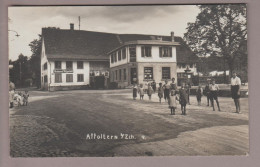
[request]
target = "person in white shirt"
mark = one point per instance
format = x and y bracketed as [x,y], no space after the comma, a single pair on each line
[235,90]
[214,94]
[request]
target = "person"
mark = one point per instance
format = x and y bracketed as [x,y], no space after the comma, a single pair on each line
[199,94]
[207,91]
[235,90]
[172,101]
[154,86]
[214,94]
[141,92]
[150,91]
[187,87]
[166,88]
[134,92]
[173,84]
[25,97]
[160,92]
[11,94]
[183,99]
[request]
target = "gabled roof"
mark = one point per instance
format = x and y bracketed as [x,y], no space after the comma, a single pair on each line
[90,45]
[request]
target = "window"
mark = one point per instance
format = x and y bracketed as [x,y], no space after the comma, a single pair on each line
[69,77]
[124,53]
[120,74]
[57,64]
[69,65]
[116,74]
[165,52]
[146,51]
[191,65]
[45,79]
[179,65]
[80,77]
[183,65]
[166,73]
[58,78]
[112,58]
[148,73]
[45,66]
[119,55]
[115,58]
[124,74]
[80,65]
[132,52]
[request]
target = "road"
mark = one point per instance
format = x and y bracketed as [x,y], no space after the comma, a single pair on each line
[64,124]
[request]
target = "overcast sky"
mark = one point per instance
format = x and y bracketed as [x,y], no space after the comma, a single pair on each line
[157,20]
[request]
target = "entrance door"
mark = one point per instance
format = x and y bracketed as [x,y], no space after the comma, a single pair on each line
[133,76]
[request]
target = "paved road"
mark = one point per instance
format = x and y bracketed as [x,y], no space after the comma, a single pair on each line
[69,123]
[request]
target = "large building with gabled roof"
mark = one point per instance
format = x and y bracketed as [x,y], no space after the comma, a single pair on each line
[77,59]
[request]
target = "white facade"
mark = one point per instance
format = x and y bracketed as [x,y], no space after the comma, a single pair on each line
[155,56]
[48,74]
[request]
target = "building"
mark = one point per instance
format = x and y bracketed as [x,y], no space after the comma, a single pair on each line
[143,61]
[77,59]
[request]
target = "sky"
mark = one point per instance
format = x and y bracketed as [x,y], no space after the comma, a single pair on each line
[156,20]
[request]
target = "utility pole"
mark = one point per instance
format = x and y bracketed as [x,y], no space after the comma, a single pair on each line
[79,22]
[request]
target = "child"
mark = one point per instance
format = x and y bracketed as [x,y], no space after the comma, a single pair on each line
[25,97]
[183,98]
[172,101]
[134,92]
[199,94]
[141,92]
[150,91]
[214,94]
[160,92]
[18,98]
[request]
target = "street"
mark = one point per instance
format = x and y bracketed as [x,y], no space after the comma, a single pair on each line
[109,123]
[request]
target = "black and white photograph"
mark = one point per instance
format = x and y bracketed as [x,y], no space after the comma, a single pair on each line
[128,80]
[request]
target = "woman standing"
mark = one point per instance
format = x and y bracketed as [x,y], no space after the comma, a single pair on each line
[235,90]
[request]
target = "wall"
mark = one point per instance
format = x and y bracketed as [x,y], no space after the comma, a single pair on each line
[76,71]
[122,61]
[121,83]
[157,71]
[155,55]
[44,72]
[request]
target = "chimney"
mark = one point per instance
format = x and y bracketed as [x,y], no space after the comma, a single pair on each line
[172,36]
[71,26]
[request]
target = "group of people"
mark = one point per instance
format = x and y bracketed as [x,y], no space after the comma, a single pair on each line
[168,91]
[171,94]
[21,98]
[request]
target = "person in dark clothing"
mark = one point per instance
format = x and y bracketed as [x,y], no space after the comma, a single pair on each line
[187,87]
[207,91]
[173,84]
[166,88]
[199,94]
[183,99]
[153,85]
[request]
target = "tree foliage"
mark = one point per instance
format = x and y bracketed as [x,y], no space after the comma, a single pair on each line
[219,30]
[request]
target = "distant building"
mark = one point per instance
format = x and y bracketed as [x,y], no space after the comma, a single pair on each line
[77,59]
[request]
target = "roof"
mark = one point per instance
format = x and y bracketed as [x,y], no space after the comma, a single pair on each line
[90,45]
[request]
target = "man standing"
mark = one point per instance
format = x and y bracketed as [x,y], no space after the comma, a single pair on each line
[207,90]
[188,87]
[235,90]
[214,94]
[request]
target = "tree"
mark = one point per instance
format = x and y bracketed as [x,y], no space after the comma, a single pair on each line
[35,61]
[219,30]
